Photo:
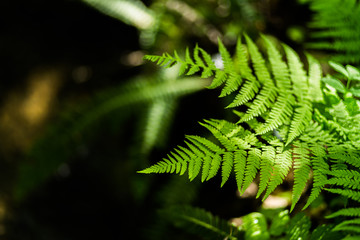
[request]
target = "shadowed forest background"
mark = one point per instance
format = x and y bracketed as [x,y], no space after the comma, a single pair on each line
[81,112]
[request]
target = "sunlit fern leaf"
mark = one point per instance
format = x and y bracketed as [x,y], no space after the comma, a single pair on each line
[320,169]
[281,168]
[342,153]
[252,166]
[280,113]
[242,61]
[231,85]
[219,79]
[279,68]
[214,166]
[226,58]
[344,180]
[228,162]
[226,142]
[301,172]
[206,168]
[297,74]
[279,95]
[240,157]
[301,119]
[314,80]
[261,104]
[266,167]
[247,92]
[258,62]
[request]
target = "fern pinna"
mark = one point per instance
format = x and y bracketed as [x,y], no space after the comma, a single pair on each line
[279,96]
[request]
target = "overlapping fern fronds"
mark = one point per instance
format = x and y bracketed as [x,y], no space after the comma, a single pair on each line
[282,94]
[336,25]
[279,93]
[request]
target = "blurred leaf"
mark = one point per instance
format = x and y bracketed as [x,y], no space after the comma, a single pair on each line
[299,227]
[339,68]
[354,73]
[351,106]
[255,227]
[279,223]
[335,83]
[355,91]
[132,12]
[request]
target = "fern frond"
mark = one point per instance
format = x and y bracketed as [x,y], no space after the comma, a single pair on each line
[301,119]
[252,166]
[247,92]
[199,221]
[297,74]
[346,212]
[261,71]
[279,68]
[301,172]
[336,27]
[266,167]
[280,113]
[320,169]
[314,80]
[226,58]
[242,61]
[228,162]
[239,167]
[348,225]
[355,195]
[281,168]
[261,104]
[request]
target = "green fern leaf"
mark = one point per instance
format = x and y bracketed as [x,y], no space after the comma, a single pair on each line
[228,162]
[261,104]
[266,167]
[297,74]
[242,61]
[239,167]
[348,225]
[279,114]
[252,166]
[262,73]
[300,121]
[279,68]
[301,172]
[226,58]
[314,80]
[346,212]
[283,162]
[320,169]
[220,78]
[194,168]
[215,166]
[232,84]
[247,92]
[355,195]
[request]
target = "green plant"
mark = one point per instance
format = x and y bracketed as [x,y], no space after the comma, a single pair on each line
[289,118]
[335,27]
